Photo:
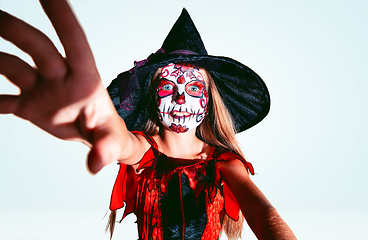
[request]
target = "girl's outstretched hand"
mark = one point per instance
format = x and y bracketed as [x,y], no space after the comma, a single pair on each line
[63,96]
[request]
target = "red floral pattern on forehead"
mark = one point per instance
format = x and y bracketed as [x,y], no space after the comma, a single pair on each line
[164,72]
[181,79]
[188,70]
[180,70]
[184,67]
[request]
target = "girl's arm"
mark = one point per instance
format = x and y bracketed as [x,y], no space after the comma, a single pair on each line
[64,95]
[261,216]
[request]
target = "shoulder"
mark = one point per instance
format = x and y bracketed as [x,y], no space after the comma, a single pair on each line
[144,138]
[233,167]
[227,160]
[146,141]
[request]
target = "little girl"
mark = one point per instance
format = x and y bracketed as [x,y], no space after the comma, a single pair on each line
[171,124]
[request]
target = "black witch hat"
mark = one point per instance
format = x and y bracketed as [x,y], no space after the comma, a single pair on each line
[242,90]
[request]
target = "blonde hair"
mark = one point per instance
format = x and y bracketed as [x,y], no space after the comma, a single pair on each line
[217,129]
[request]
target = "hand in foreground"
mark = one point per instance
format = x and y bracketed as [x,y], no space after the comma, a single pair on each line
[63,96]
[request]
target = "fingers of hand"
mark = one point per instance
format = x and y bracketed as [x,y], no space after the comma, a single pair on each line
[17,71]
[8,104]
[71,34]
[48,60]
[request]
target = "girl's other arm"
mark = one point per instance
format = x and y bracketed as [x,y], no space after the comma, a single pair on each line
[261,216]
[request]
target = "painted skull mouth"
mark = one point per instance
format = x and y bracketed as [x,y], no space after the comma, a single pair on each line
[178,114]
[182,115]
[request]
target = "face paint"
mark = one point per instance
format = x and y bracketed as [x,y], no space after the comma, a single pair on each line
[181,97]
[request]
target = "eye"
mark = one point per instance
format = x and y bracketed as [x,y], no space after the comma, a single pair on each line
[195,88]
[165,88]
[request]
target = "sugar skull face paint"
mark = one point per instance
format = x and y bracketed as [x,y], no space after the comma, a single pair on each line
[181,97]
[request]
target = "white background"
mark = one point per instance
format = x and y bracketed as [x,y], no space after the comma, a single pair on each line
[310,153]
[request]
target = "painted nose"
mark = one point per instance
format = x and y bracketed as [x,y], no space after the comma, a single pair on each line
[179,98]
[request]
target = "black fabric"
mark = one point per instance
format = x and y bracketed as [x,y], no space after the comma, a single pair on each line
[172,203]
[184,36]
[194,211]
[172,220]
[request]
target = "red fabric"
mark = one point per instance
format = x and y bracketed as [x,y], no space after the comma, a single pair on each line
[141,190]
[214,212]
[125,184]
[124,190]
[147,206]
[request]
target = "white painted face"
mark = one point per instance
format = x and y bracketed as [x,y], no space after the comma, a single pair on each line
[181,97]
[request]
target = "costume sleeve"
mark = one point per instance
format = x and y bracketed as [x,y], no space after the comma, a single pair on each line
[124,190]
[231,206]
[125,187]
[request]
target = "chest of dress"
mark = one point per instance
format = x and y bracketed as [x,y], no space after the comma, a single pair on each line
[178,202]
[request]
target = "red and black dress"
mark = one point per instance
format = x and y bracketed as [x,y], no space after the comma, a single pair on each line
[176,202]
